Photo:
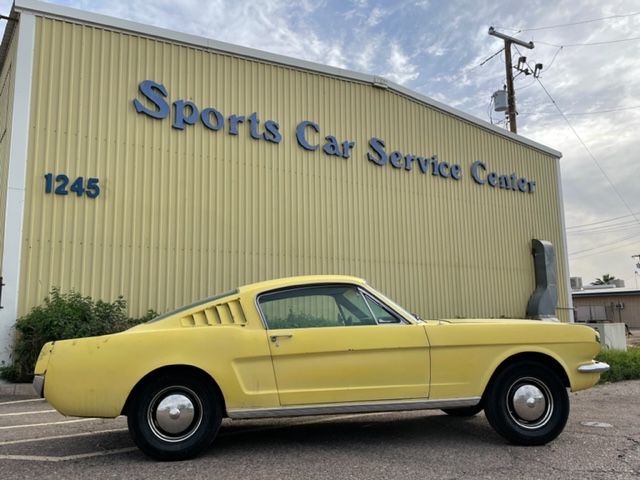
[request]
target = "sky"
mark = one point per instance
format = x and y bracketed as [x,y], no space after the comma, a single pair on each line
[585,103]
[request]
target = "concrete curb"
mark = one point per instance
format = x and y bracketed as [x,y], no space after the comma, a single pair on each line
[23,389]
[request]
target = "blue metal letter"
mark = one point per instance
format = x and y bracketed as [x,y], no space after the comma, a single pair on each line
[150,90]
[205,115]
[378,147]
[395,159]
[474,171]
[271,133]
[300,134]
[180,118]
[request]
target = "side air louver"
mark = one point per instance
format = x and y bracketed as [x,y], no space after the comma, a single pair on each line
[229,313]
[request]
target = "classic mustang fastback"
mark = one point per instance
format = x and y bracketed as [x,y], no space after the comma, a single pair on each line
[310,346]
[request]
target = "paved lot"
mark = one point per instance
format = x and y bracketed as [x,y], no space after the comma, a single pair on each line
[601,441]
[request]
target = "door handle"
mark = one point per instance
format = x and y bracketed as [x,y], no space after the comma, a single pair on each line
[274,338]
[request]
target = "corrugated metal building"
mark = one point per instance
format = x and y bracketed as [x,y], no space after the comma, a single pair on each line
[165,167]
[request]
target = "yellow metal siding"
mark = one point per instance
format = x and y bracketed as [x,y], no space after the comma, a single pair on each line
[187,213]
[7,89]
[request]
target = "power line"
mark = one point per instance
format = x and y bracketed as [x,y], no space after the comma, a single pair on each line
[589,152]
[598,228]
[628,237]
[477,66]
[608,231]
[604,111]
[487,59]
[605,229]
[601,221]
[571,24]
[589,44]
[553,59]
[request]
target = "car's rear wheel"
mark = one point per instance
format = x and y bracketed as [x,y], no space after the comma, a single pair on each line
[464,411]
[174,415]
[527,404]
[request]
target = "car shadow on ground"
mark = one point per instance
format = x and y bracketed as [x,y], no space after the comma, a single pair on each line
[356,432]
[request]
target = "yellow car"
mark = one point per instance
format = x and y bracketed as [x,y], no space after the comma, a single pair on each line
[314,346]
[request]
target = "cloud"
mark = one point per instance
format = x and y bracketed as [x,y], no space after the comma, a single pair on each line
[376,16]
[402,69]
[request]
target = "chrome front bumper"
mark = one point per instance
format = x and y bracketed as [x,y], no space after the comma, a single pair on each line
[38,385]
[595,367]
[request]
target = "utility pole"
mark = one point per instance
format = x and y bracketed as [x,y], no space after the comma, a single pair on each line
[511,97]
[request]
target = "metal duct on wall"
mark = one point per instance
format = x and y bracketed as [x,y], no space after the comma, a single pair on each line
[542,304]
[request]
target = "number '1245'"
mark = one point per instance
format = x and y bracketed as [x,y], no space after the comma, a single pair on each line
[62,185]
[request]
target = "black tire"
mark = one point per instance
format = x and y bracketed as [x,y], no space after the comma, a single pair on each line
[174,415]
[464,411]
[527,404]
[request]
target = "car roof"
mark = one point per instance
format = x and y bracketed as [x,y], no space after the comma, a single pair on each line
[300,280]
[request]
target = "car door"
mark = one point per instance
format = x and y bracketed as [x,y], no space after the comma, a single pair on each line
[337,343]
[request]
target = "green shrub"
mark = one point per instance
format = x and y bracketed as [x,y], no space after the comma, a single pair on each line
[63,316]
[624,365]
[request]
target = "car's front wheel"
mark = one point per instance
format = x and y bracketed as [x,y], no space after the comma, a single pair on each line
[174,415]
[527,404]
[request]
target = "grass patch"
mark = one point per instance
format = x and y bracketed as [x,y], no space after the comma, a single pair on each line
[624,365]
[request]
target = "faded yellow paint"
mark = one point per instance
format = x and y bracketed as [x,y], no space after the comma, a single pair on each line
[473,351]
[185,213]
[343,364]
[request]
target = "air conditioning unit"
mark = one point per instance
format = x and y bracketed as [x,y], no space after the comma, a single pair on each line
[576,283]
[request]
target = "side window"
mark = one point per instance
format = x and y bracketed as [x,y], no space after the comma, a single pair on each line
[305,307]
[383,315]
[323,306]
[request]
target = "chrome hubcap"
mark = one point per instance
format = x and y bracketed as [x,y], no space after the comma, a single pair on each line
[174,414]
[530,403]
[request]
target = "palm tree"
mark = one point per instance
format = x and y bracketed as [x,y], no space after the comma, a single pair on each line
[605,280]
